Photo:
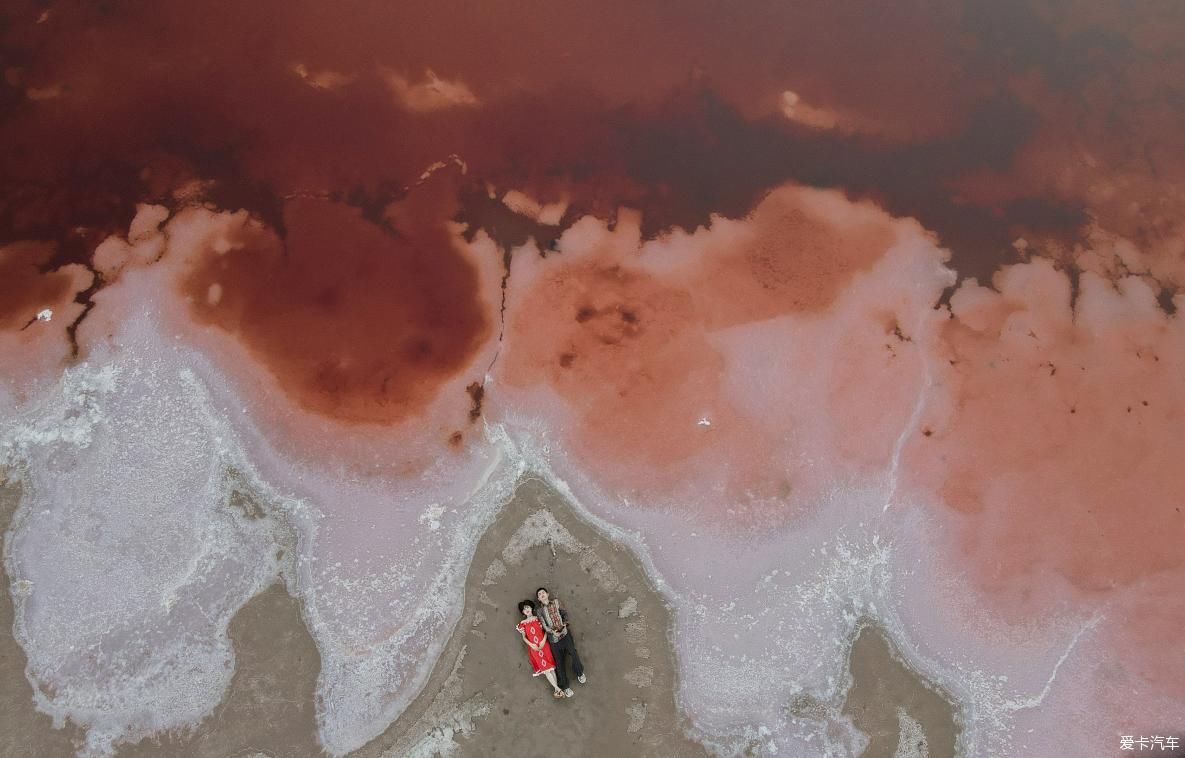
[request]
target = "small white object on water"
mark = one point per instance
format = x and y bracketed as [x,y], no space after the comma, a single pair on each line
[704,421]
[45,314]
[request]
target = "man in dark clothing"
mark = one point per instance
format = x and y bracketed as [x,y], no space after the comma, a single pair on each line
[559,636]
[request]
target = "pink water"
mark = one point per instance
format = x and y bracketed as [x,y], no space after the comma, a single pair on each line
[829,311]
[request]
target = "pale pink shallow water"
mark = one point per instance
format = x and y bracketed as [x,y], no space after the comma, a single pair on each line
[946,396]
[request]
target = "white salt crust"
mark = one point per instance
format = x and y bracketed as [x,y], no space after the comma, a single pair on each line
[128,561]
[127,554]
[130,556]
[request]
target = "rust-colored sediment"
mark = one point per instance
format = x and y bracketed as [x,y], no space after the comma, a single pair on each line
[1061,449]
[791,260]
[630,349]
[356,322]
[1084,421]
[627,351]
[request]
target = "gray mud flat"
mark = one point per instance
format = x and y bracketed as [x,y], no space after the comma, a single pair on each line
[902,714]
[482,700]
[268,708]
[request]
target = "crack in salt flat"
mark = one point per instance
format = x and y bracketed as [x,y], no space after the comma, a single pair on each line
[919,406]
[507,256]
[1033,702]
[507,259]
[86,300]
[989,724]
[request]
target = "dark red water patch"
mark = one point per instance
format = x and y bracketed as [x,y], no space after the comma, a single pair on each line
[217,87]
[477,393]
[671,110]
[1165,300]
[25,286]
[692,154]
[509,229]
[356,323]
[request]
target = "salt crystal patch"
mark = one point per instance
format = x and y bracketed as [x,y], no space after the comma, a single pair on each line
[636,712]
[431,516]
[322,80]
[628,608]
[495,571]
[911,739]
[430,94]
[540,528]
[441,742]
[640,676]
[123,451]
[147,221]
[815,117]
[550,214]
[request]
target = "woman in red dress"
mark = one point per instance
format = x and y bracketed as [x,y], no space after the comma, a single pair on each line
[537,648]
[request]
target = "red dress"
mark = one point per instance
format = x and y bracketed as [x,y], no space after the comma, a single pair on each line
[541,661]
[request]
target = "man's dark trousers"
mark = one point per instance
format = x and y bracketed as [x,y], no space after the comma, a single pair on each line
[562,651]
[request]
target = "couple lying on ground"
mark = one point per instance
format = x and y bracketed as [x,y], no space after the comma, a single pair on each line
[549,642]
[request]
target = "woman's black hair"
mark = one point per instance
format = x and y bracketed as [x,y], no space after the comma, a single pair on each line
[526,602]
[543,589]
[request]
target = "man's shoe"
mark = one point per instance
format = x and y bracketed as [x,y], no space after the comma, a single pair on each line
[569,692]
[582,679]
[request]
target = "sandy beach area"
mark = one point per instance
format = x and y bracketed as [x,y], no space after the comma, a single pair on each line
[480,698]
